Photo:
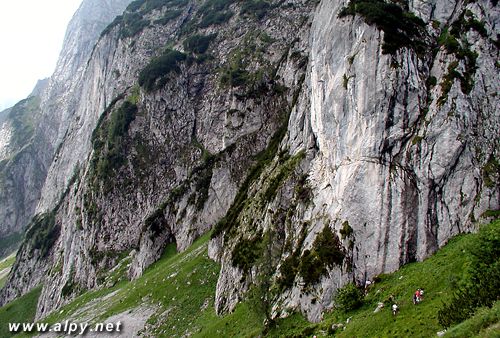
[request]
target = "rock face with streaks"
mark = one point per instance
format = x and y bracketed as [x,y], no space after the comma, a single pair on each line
[320,146]
[21,171]
[401,153]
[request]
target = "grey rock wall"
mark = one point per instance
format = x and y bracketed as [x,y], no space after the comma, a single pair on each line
[404,169]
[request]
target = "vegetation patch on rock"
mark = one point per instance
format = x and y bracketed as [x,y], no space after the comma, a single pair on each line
[109,140]
[326,252]
[401,28]
[160,67]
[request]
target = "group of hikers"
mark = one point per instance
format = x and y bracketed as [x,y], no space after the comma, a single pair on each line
[417,298]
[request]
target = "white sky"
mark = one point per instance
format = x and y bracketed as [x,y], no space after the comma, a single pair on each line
[31,37]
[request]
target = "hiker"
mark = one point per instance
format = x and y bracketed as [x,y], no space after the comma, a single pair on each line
[417,297]
[367,286]
[394,309]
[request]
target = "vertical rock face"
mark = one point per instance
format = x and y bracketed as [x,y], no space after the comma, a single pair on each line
[21,171]
[405,155]
[64,98]
[319,149]
[33,129]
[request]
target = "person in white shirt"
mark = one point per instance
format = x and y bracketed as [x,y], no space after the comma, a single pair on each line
[394,309]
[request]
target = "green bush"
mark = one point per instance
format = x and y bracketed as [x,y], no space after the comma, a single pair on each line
[247,252]
[491,172]
[491,213]
[43,233]
[401,28]
[147,6]
[69,288]
[290,266]
[258,8]
[326,252]
[346,230]
[132,24]
[449,41]
[303,191]
[288,271]
[215,12]
[481,285]
[109,140]
[198,44]
[215,5]
[202,187]
[349,298]
[160,67]
[120,121]
[215,18]
[450,38]
[466,78]
[235,76]
[464,24]
[485,319]
[431,82]
[169,16]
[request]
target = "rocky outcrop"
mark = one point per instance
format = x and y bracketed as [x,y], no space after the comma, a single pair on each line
[318,148]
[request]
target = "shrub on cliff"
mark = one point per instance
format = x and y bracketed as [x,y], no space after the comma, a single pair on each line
[198,44]
[159,67]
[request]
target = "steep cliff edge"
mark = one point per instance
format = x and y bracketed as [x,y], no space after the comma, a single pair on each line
[21,171]
[33,129]
[64,99]
[321,146]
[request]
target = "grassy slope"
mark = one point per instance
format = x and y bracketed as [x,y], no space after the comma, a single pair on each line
[21,310]
[7,262]
[5,265]
[485,324]
[437,276]
[181,288]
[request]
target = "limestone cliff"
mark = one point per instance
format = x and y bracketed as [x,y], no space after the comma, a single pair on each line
[320,144]
[32,131]
[401,151]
